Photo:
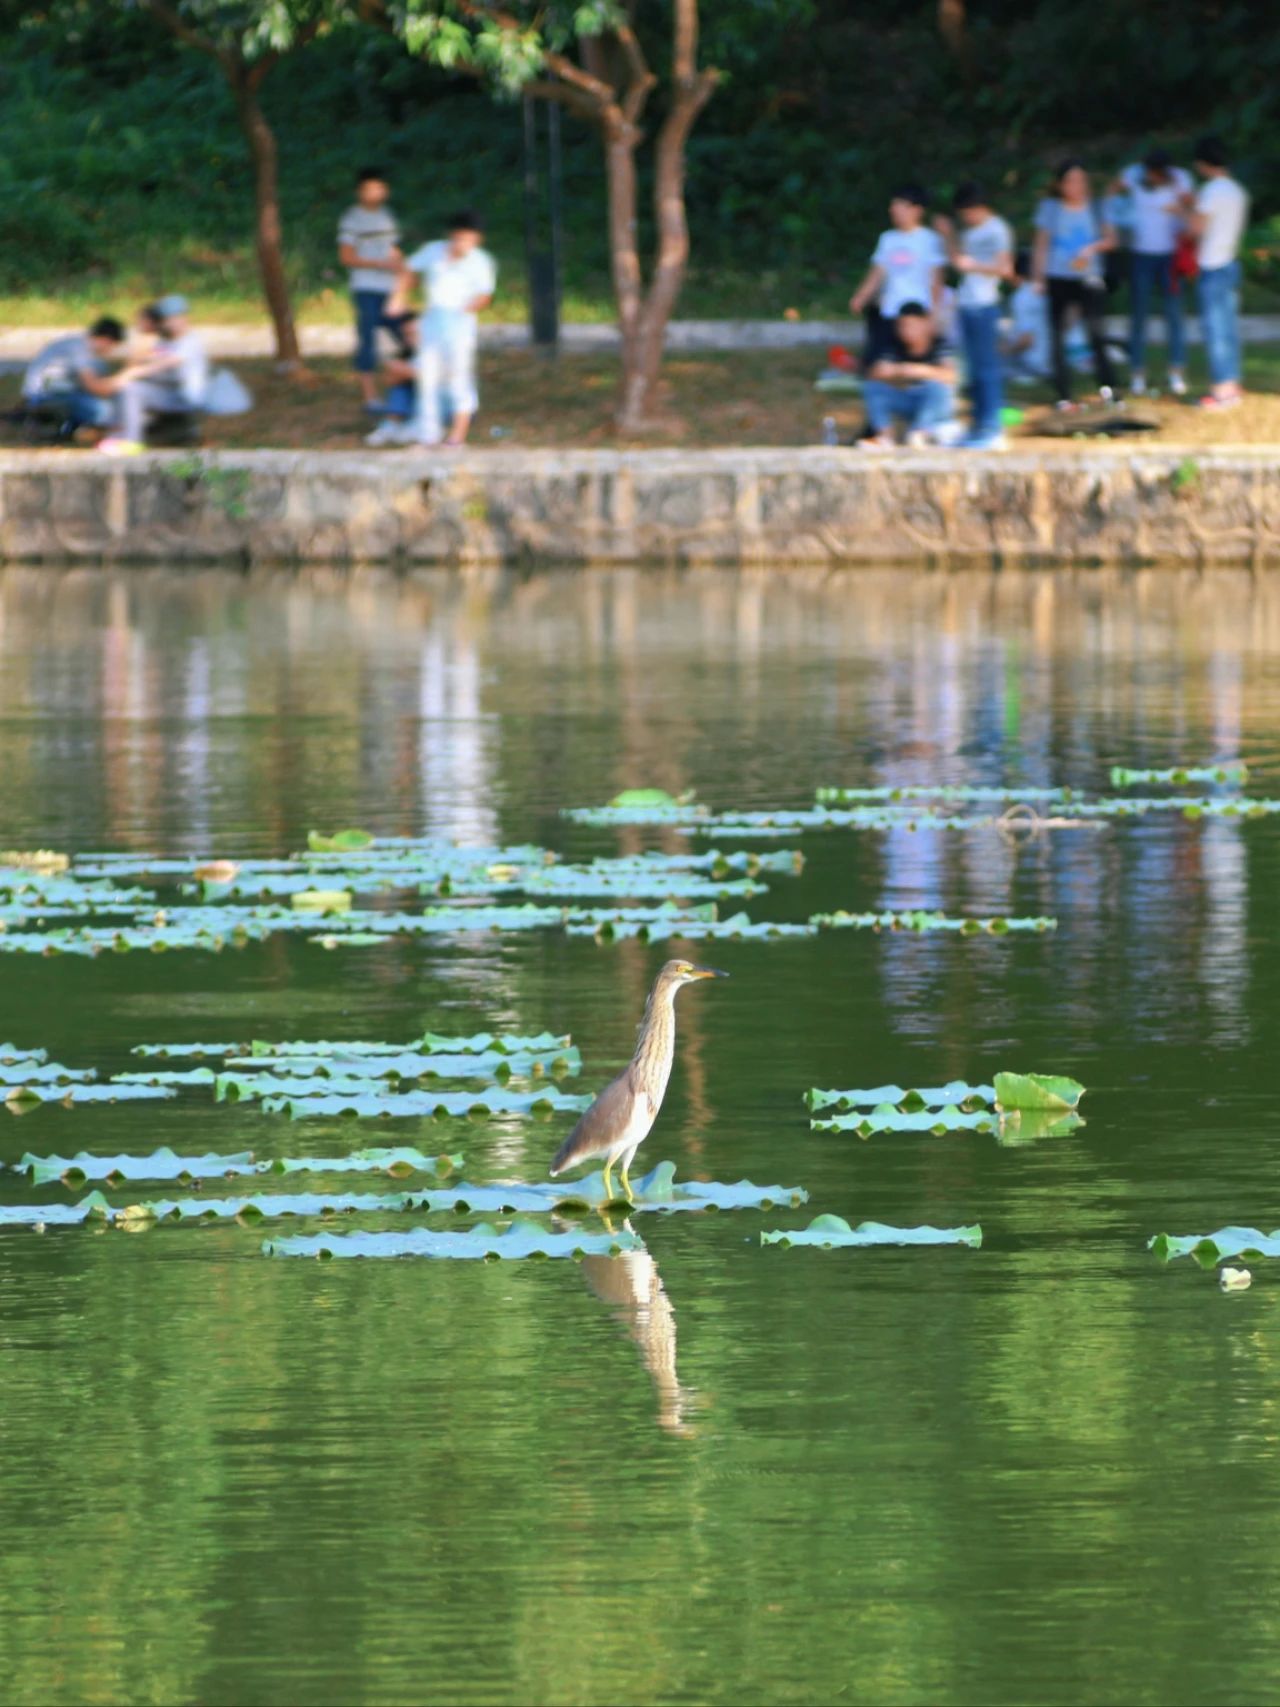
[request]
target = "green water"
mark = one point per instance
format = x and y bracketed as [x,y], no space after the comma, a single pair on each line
[1046,1470]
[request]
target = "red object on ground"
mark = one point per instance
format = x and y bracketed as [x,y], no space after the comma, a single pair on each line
[840,356]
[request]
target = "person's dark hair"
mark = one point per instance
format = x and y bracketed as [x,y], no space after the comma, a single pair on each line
[370,175]
[107,326]
[913,311]
[969,194]
[1022,263]
[1157,160]
[1062,168]
[466,219]
[151,313]
[1210,151]
[911,192]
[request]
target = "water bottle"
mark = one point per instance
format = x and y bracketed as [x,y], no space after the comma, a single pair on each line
[829,434]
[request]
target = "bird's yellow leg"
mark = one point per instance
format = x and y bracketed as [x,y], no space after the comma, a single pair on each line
[626,1183]
[608,1184]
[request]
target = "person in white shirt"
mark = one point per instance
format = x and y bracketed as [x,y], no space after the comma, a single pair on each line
[906,266]
[1156,191]
[171,379]
[1217,218]
[458,280]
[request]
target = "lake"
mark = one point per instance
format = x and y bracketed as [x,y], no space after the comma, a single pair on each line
[1045,1469]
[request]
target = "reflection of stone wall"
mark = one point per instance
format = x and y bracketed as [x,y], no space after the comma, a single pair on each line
[734,507]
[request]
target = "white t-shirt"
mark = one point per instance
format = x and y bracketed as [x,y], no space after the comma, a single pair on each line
[984,243]
[909,261]
[452,281]
[1225,206]
[1157,218]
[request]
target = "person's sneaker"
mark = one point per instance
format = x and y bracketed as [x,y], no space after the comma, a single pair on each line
[120,447]
[1217,403]
[984,441]
[877,441]
[1177,383]
[918,439]
[1138,385]
[389,433]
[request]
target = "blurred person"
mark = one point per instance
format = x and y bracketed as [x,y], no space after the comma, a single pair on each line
[172,378]
[75,374]
[912,383]
[906,266]
[982,253]
[1071,240]
[369,248]
[458,281]
[401,372]
[1217,217]
[1156,191]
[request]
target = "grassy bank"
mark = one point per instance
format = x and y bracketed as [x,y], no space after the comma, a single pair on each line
[752,398]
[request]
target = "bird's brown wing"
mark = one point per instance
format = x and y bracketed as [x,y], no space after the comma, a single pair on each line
[602,1125]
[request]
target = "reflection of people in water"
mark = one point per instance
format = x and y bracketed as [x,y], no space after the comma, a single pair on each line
[631,1285]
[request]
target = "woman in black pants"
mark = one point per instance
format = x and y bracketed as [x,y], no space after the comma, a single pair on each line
[1071,240]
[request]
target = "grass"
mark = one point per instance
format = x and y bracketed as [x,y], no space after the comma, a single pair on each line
[749,398]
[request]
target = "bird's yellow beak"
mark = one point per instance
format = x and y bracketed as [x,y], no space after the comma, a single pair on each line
[706,972]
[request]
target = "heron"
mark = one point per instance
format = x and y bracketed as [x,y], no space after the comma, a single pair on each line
[622,1116]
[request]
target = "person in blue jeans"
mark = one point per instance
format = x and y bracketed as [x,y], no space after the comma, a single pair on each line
[1155,192]
[369,248]
[982,253]
[1217,219]
[912,383]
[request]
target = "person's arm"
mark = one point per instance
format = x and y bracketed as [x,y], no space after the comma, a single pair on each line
[350,257]
[402,292]
[1040,258]
[936,288]
[919,371]
[399,368]
[478,304]
[871,286]
[886,370]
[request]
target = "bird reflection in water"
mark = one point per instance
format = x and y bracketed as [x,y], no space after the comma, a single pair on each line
[632,1287]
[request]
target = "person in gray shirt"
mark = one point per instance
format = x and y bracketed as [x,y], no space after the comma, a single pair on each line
[171,380]
[74,374]
[369,248]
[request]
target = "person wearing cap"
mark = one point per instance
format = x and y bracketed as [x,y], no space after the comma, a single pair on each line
[171,379]
[1155,190]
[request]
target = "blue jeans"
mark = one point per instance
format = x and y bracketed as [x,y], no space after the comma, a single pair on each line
[919,407]
[1147,273]
[980,331]
[402,399]
[1220,317]
[371,313]
[82,408]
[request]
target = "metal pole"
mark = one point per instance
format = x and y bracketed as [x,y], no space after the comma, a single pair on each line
[542,253]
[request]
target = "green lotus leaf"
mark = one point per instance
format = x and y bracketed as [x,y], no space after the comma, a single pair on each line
[887,1118]
[1211,1248]
[831,1232]
[520,1240]
[957,1092]
[1235,774]
[53,1095]
[341,841]
[1037,1091]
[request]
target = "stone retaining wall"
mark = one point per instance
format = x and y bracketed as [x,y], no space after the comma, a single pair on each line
[809,505]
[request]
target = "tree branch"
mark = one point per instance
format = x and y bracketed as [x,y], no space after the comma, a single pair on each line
[478,11]
[173,21]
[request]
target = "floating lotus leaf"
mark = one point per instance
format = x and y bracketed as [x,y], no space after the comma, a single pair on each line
[170,1051]
[956,1093]
[408,1064]
[304,1099]
[887,1118]
[80,1093]
[167,1076]
[92,1208]
[1028,1126]
[1211,1248]
[162,1164]
[341,841]
[925,920]
[1037,1091]
[520,1239]
[1236,774]
[831,1232]
[10,1055]
[43,1073]
[937,791]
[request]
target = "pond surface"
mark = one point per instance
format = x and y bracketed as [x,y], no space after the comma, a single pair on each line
[1048,1469]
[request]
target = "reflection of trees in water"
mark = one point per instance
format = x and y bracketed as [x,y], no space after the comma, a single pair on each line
[631,1285]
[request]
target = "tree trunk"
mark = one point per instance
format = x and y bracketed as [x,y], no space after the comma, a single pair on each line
[266,195]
